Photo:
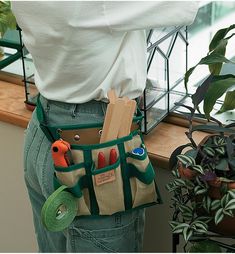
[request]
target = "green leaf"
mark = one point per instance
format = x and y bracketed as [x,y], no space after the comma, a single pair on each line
[179,182]
[213,128]
[229,102]
[221,141]
[228,212]
[187,216]
[214,58]
[222,165]
[207,203]
[201,228]
[179,228]
[199,190]
[173,223]
[220,49]
[173,157]
[7,19]
[215,91]
[175,173]
[187,233]
[186,160]
[187,75]
[220,150]
[185,209]
[219,216]
[189,184]
[204,219]
[209,151]
[199,169]
[230,205]
[215,204]
[224,200]
[201,90]
[220,34]
[231,193]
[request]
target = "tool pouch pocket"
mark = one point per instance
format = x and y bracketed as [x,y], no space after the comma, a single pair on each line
[108,188]
[126,184]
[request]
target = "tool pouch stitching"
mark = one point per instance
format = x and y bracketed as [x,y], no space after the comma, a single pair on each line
[138,170]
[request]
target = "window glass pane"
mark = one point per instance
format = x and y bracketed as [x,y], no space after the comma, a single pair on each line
[177,61]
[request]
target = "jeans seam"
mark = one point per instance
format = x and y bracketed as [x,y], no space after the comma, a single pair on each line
[34,131]
[46,189]
[88,236]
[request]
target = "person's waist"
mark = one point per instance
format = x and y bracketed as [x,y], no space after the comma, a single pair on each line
[92,106]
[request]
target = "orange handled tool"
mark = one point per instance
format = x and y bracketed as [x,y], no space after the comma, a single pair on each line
[60,149]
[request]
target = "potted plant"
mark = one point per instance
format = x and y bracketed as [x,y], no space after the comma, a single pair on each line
[203,187]
[7,19]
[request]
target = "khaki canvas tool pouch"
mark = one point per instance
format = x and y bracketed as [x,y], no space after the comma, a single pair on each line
[126,183]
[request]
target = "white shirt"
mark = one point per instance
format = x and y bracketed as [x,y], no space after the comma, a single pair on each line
[82,49]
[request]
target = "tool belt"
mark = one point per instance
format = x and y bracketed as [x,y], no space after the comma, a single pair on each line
[128,183]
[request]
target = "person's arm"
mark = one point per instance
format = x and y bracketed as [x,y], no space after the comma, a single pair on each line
[127,16]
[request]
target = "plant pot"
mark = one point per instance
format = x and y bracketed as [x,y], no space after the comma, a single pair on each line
[227,226]
[186,173]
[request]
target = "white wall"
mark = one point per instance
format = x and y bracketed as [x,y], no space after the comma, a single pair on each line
[16,227]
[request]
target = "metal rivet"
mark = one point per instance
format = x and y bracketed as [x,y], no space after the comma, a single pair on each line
[59,131]
[76,137]
[100,132]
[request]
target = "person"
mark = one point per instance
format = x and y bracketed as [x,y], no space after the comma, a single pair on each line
[81,50]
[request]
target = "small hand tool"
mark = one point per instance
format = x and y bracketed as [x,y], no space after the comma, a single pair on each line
[112,156]
[61,153]
[101,160]
[138,151]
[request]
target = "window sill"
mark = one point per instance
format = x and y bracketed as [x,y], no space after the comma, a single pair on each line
[160,142]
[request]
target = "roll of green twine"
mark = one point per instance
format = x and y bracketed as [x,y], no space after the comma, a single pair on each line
[59,210]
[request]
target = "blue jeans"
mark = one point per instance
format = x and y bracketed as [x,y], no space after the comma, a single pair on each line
[116,233]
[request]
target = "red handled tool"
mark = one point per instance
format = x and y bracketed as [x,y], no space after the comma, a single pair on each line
[101,160]
[112,156]
[60,153]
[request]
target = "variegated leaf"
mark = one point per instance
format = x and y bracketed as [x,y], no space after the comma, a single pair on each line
[219,216]
[215,204]
[224,201]
[184,208]
[199,190]
[228,212]
[220,150]
[173,223]
[199,169]
[230,205]
[186,160]
[209,151]
[187,233]
[231,193]
[179,228]
[207,203]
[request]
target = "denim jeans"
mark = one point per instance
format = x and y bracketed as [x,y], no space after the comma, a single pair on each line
[115,233]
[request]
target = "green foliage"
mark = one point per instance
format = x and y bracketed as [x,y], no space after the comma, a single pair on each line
[211,164]
[205,246]
[216,85]
[186,160]
[7,19]
[192,194]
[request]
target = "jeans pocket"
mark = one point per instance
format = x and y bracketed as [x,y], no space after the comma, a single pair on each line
[127,238]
